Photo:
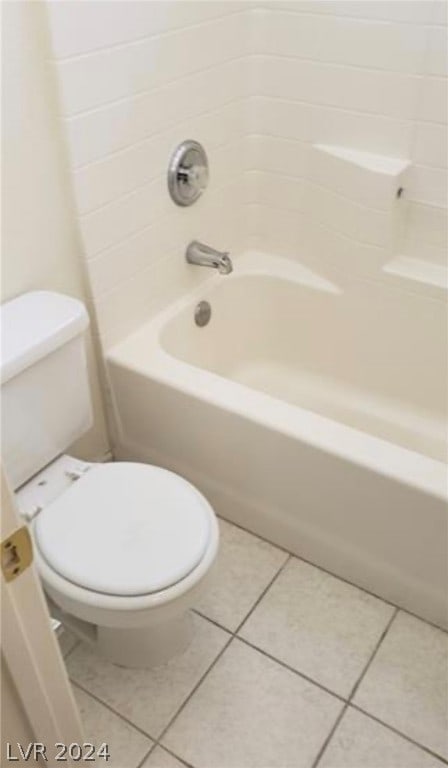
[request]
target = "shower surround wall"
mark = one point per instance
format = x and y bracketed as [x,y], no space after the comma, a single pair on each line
[136,79]
[258,84]
[369,76]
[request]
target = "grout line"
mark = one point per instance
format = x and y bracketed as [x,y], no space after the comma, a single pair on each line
[397,732]
[265,10]
[143,270]
[349,17]
[348,703]
[336,576]
[151,136]
[419,101]
[156,223]
[409,119]
[339,64]
[111,709]
[173,754]
[308,142]
[150,180]
[145,756]
[329,736]
[306,146]
[351,200]
[160,217]
[144,38]
[312,218]
[434,207]
[349,110]
[193,691]
[234,635]
[231,638]
[260,597]
[373,654]
[160,87]
[212,621]
[245,57]
[281,174]
[354,689]
[334,106]
[297,672]
[261,134]
[180,759]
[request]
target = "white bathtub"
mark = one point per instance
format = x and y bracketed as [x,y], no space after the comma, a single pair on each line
[311,413]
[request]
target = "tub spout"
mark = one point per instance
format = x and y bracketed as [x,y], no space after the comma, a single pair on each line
[205,256]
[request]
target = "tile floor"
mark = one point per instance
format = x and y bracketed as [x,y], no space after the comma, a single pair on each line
[290,667]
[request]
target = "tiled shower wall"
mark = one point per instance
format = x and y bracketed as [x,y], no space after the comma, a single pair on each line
[136,79]
[366,75]
[258,84]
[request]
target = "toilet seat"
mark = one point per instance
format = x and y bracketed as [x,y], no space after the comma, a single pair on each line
[125,529]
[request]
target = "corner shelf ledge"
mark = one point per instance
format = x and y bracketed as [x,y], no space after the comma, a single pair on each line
[390,166]
[423,273]
[365,178]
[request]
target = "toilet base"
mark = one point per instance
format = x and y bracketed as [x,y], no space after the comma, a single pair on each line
[145,647]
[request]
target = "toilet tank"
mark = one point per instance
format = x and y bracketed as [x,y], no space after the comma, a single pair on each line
[46,402]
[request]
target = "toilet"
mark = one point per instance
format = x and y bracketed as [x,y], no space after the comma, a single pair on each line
[123,548]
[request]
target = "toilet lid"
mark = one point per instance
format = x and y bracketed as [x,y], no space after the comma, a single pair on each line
[125,529]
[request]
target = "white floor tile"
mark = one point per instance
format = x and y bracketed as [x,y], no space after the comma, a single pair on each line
[360,742]
[66,640]
[250,712]
[407,684]
[149,698]
[244,568]
[160,758]
[127,747]
[319,625]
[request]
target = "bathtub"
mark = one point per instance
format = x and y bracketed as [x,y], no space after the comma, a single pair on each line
[311,412]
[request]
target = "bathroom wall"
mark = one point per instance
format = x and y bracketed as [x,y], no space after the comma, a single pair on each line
[136,79]
[40,241]
[258,83]
[370,76]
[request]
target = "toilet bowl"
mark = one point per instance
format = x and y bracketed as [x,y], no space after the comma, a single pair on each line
[123,549]
[123,554]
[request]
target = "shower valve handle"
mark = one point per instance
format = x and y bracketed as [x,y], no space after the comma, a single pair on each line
[187,172]
[197,175]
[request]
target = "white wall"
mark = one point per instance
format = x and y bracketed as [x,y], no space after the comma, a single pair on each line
[258,84]
[40,243]
[136,79]
[366,75]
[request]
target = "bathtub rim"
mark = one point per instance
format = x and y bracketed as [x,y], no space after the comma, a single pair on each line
[323,433]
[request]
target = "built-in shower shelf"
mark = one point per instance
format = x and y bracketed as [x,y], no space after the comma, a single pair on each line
[389,166]
[420,272]
[370,179]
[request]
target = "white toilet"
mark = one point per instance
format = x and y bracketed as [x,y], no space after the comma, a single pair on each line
[123,549]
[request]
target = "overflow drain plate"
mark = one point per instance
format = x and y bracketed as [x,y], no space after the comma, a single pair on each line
[202,313]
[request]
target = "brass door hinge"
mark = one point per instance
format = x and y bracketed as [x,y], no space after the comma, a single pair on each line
[16,553]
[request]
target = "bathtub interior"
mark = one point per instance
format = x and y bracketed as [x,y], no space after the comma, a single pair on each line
[363,354]
[279,427]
